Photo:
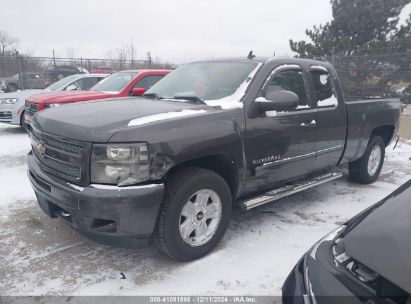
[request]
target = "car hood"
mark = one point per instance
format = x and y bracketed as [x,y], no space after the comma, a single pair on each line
[21,94]
[382,240]
[68,96]
[97,121]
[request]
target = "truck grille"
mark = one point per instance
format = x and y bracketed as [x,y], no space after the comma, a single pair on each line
[5,115]
[59,144]
[62,157]
[31,108]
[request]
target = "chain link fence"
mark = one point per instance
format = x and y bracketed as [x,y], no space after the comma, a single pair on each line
[363,74]
[24,72]
[375,73]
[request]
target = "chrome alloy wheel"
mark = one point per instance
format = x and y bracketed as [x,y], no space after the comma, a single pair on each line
[374,160]
[200,217]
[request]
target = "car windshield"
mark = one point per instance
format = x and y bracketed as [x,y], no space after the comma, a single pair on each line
[114,82]
[208,81]
[61,84]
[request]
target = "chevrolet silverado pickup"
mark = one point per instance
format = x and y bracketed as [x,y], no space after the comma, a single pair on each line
[121,84]
[169,166]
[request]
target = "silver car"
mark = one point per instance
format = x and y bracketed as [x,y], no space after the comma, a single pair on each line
[12,104]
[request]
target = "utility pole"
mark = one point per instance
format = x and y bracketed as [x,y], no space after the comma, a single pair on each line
[149,59]
[21,82]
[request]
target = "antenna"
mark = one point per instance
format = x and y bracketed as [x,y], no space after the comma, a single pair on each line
[250,55]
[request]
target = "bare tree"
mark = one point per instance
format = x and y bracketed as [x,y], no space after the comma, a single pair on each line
[131,53]
[7,43]
[118,57]
[70,51]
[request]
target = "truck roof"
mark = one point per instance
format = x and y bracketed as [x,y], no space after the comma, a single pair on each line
[285,59]
[144,71]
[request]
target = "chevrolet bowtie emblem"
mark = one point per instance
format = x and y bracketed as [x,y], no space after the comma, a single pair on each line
[41,149]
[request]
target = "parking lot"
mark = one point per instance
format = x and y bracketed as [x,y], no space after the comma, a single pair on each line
[41,256]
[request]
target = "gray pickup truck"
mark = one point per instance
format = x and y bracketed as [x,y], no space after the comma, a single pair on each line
[27,81]
[211,135]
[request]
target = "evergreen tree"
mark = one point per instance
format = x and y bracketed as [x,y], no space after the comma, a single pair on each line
[356,24]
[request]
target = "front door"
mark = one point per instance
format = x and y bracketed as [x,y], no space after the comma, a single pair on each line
[281,145]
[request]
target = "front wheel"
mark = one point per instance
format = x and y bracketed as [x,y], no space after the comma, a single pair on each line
[23,123]
[195,213]
[367,169]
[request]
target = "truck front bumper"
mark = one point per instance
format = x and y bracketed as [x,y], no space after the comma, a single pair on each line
[121,217]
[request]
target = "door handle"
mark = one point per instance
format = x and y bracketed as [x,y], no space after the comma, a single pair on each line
[310,124]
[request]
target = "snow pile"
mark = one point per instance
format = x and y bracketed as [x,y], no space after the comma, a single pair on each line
[163,116]
[404,15]
[43,256]
[329,102]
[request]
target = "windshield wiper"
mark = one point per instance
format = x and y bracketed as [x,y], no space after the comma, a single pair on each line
[153,95]
[194,99]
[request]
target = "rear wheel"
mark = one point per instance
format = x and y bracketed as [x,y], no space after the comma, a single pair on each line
[367,169]
[11,88]
[195,213]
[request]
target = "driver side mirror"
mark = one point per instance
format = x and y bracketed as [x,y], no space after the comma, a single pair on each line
[138,91]
[277,101]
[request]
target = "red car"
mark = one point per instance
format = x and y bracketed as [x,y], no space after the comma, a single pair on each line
[121,84]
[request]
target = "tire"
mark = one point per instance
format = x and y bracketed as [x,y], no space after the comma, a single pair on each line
[22,123]
[367,169]
[11,88]
[183,194]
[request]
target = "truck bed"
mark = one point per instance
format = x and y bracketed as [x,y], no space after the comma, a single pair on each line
[363,118]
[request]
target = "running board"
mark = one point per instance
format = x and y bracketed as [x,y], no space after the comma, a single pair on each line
[276,194]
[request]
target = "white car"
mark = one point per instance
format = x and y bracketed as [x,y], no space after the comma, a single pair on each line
[12,104]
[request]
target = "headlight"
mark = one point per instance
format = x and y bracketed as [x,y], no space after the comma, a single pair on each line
[52,105]
[120,164]
[8,100]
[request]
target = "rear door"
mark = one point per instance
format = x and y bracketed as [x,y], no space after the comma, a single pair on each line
[281,145]
[331,117]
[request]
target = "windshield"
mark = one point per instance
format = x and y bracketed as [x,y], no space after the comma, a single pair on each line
[115,82]
[206,80]
[61,84]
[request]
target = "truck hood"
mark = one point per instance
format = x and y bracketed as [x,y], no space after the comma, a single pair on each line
[97,121]
[382,240]
[68,96]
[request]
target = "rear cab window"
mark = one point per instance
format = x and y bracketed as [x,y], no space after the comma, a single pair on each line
[323,87]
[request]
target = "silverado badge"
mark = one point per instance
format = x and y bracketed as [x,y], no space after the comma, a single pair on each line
[41,149]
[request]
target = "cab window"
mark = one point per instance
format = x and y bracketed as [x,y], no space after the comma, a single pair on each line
[324,92]
[290,80]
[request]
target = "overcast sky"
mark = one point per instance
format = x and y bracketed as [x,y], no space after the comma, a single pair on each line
[173,30]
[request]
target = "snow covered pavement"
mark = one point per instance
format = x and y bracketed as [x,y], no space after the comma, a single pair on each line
[42,256]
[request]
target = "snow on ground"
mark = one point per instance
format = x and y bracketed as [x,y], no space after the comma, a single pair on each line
[42,256]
